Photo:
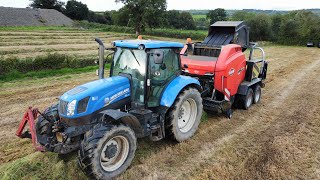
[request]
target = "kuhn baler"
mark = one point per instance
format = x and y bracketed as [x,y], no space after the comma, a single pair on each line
[227,77]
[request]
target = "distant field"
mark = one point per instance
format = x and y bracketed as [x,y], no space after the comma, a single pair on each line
[199,16]
[26,42]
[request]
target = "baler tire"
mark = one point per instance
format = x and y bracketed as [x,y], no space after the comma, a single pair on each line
[257,94]
[245,98]
[176,112]
[91,156]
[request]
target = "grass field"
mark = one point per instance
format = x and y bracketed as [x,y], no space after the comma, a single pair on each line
[31,43]
[276,139]
[199,16]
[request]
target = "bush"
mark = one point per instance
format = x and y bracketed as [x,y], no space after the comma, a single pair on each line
[48,62]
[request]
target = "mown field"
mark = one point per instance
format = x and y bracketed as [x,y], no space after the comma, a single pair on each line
[24,44]
[276,139]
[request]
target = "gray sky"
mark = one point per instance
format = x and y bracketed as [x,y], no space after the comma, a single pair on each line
[102,5]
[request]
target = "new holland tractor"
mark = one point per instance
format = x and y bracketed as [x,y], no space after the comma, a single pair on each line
[145,96]
[155,90]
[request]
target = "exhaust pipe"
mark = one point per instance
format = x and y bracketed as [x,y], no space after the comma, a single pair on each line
[101,58]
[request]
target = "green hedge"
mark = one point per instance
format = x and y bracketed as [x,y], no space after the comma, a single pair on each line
[171,33]
[48,62]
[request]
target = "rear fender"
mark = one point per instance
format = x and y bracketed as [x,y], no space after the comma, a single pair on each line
[175,87]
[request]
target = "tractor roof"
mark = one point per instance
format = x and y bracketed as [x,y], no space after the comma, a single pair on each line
[149,44]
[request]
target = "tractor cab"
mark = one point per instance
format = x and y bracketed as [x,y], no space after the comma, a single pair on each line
[150,65]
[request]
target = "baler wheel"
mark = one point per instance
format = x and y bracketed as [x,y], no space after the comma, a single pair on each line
[107,151]
[257,94]
[247,100]
[185,114]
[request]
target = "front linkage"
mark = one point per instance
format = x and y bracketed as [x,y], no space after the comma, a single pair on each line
[29,117]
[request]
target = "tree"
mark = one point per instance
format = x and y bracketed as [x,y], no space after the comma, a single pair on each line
[275,26]
[120,17]
[140,11]
[47,4]
[260,27]
[217,15]
[179,20]
[77,10]
[173,19]
[187,21]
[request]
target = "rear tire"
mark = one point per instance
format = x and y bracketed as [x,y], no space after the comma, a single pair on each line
[257,94]
[107,151]
[247,100]
[185,114]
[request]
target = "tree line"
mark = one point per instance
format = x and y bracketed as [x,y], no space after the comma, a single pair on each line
[293,28]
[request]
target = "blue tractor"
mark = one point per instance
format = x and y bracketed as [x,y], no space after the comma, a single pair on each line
[145,96]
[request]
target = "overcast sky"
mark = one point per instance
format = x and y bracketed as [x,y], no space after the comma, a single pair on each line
[103,5]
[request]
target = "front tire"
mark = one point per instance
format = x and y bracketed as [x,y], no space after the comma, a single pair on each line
[43,126]
[185,114]
[106,151]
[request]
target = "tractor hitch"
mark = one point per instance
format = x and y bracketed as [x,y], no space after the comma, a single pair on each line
[29,117]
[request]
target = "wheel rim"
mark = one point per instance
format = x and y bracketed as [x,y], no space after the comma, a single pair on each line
[257,96]
[187,115]
[250,99]
[114,153]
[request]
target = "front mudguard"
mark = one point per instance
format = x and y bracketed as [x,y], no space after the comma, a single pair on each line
[115,117]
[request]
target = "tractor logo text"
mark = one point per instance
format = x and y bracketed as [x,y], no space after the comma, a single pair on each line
[116,96]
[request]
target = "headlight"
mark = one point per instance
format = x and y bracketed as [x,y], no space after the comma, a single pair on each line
[71,108]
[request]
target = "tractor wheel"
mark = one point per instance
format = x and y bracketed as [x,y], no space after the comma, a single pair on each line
[43,126]
[247,100]
[257,94]
[107,151]
[185,114]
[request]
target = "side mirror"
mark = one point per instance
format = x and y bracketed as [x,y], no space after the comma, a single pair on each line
[158,56]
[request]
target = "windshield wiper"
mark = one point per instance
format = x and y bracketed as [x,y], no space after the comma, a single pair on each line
[134,57]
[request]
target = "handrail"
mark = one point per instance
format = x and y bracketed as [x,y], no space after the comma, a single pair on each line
[254,47]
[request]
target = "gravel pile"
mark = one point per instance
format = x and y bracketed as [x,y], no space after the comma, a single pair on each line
[32,17]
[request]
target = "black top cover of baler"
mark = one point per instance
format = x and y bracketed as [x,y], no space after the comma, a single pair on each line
[227,32]
[223,33]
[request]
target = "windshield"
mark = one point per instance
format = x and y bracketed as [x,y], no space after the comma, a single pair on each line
[130,61]
[133,62]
